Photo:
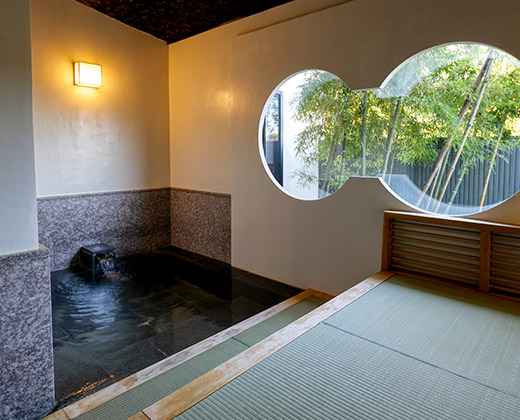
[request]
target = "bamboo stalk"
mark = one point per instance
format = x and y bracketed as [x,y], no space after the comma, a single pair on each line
[391,134]
[447,144]
[491,165]
[469,125]
[364,135]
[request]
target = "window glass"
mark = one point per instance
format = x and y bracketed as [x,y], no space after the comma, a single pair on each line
[443,131]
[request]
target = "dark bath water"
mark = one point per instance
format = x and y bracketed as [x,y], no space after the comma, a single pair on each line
[152,306]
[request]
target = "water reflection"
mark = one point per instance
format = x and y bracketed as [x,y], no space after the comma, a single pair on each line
[109,326]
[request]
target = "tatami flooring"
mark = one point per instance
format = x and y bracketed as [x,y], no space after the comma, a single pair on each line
[392,347]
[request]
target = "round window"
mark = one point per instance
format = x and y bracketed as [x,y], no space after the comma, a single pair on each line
[443,131]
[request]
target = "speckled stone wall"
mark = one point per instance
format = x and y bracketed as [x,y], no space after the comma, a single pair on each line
[201,222]
[132,221]
[26,359]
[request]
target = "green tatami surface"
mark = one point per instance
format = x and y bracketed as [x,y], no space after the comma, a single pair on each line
[329,374]
[468,333]
[406,350]
[153,390]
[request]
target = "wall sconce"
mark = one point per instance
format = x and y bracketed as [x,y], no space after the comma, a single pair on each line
[86,74]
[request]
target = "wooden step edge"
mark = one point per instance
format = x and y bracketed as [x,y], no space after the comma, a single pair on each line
[194,392]
[321,295]
[102,396]
[57,415]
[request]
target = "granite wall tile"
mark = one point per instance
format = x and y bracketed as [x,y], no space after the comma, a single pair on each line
[132,221]
[26,356]
[201,222]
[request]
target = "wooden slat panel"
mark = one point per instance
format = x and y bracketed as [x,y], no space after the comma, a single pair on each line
[438,236]
[505,246]
[398,239]
[504,271]
[436,259]
[496,280]
[485,256]
[400,269]
[454,221]
[438,267]
[395,245]
[506,254]
[460,250]
[505,289]
[507,238]
[417,226]
[505,262]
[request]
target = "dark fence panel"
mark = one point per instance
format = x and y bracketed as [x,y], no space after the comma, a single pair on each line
[504,182]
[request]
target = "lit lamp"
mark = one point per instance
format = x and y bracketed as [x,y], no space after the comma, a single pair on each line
[86,74]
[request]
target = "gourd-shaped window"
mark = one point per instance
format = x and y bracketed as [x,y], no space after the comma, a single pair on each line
[443,131]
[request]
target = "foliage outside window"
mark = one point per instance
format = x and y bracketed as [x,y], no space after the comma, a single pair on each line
[443,131]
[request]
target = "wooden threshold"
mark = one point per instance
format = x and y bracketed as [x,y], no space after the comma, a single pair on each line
[138,416]
[58,415]
[196,391]
[92,401]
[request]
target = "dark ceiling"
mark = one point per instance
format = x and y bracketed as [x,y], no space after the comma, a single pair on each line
[173,20]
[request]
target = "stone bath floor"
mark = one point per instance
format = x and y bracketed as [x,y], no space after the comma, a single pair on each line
[152,306]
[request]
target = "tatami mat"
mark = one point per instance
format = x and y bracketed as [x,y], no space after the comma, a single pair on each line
[330,374]
[270,325]
[468,333]
[141,396]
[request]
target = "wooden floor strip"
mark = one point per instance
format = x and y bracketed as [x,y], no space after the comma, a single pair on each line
[58,415]
[112,391]
[139,416]
[196,391]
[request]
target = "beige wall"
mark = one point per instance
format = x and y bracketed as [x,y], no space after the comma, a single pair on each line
[89,140]
[332,243]
[17,185]
[202,99]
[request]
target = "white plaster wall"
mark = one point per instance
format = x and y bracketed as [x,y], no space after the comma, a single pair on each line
[18,230]
[202,99]
[89,140]
[332,243]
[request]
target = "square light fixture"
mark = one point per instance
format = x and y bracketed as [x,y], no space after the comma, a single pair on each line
[87,74]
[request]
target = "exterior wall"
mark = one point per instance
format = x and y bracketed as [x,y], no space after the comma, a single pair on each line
[17,185]
[333,243]
[201,223]
[27,375]
[131,221]
[92,140]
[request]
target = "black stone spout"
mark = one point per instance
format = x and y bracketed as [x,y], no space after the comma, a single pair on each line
[98,258]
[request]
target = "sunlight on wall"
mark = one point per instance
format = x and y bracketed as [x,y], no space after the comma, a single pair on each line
[111,138]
